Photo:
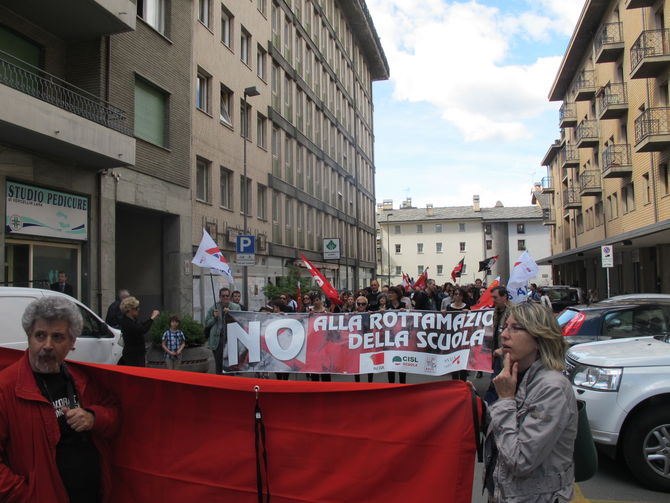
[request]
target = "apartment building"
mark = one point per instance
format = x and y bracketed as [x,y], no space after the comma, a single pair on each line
[286,85]
[95,147]
[411,239]
[607,176]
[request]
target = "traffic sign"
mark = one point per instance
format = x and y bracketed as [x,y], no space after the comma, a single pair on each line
[331,249]
[607,254]
[246,250]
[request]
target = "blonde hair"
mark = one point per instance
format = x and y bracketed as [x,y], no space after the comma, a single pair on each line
[129,303]
[541,323]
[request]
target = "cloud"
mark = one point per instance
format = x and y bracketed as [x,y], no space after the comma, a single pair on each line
[455,56]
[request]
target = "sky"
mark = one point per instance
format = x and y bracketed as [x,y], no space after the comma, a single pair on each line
[466,111]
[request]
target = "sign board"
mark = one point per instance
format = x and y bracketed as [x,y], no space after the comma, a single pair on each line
[246,250]
[607,253]
[331,249]
[36,211]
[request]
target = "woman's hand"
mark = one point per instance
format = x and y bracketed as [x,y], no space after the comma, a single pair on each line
[505,382]
[154,314]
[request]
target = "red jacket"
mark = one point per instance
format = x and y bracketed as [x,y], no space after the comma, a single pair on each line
[29,434]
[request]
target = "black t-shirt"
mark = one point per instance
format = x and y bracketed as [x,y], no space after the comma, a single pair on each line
[77,457]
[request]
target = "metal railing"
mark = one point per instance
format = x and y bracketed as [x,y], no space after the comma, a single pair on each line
[585,80]
[548,214]
[571,196]
[650,43]
[616,155]
[548,182]
[652,121]
[39,84]
[568,154]
[614,93]
[609,33]
[587,129]
[590,180]
[567,112]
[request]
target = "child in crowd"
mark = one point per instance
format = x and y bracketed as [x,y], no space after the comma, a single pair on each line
[174,343]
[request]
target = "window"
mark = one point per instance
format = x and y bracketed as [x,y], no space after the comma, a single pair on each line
[599,213]
[276,25]
[288,159]
[261,202]
[520,228]
[521,244]
[288,215]
[226,27]
[261,59]
[150,113]
[461,227]
[262,7]
[487,228]
[276,218]
[276,88]
[646,189]
[628,198]
[288,99]
[202,179]
[419,247]
[226,185]
[665,177]
[153,13]
[276,153]
[438,247]
[396,229]
[438,227]
[461,246]
[398,270]
[202,91]
[261,130]
[288,39]
[245,117]
[397,249]
[226,112]
[440,269]
[489,244]
[245,195]
[419,228]
[245,46]
[419,270]
[203,12]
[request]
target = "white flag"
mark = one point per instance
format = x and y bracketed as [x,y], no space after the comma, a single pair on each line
[209,255]
[524,269]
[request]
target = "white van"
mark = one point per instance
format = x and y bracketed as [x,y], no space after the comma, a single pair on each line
[98,342]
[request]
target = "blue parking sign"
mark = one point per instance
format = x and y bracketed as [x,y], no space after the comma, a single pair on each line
[246,244]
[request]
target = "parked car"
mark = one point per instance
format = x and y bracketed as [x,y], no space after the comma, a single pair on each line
[626,387]
[562,296]
[616,318]
[98,343]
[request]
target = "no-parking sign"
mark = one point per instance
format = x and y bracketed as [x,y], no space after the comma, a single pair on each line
[607,253]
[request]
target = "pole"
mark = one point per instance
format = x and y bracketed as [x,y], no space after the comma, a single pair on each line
[211,278]
[245,194]
[608,282]
[388,248]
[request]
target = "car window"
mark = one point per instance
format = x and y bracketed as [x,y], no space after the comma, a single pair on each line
[649,320]
[566,316]
[619,324]
[92,326]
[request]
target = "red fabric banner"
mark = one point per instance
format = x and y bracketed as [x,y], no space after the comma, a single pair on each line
[486,299]
[190,437]
[323,282]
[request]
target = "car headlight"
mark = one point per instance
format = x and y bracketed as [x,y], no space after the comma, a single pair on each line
[597,378]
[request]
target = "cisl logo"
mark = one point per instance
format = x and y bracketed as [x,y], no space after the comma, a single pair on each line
[396,360]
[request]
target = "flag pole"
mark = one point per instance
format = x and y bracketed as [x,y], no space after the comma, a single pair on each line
[211,278]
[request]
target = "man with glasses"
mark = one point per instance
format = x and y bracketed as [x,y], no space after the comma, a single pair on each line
[362,305]
[215,323]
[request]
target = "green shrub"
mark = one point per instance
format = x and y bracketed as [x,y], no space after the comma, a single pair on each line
[193,330]
[289,284]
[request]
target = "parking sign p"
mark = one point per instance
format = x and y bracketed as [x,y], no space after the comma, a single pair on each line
[246,244]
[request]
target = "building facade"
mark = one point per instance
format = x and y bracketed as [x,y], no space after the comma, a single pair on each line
[607,175]
[411,239]
[286,86]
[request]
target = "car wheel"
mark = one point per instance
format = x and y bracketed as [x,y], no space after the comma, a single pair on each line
[646,447]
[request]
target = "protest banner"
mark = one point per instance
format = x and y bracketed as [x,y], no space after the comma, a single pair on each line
[416,342]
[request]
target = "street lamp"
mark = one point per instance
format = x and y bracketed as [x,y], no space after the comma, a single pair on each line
[249,91]
[388,247]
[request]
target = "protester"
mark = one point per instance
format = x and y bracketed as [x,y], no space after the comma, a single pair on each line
[215,323]
[237,299]
[533,293]
[458,304]
[291,302]
[318,307]
[531,437]
[134,346]
[382,302]
[448,297]
[284,298]
[60,455]
[501,302]
[545,300]
[362,306]
[62,285]
[373,295]
[174,342]
[306,303]
[348,303]
[395,303]
[114,314]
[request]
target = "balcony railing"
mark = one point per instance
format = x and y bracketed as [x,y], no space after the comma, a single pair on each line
[613,100]
[39,84]
[590,182]
[652,130]
[567,115]
[571,198]
[548,216]
[609,42]
[587,134]
[650,53]
[617,161]
[569,156]
[547,184]
[584,85]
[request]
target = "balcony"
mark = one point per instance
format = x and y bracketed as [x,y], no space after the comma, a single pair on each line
[568,157]
[617,161]
[45,114]
[650,54]
[567,115]
[590,183]
[613,101]
[548,216]
[77,20]
[587,134]
[609,42]
[547,185]
[652,130]
[571,199]
[638,4]
[584,86]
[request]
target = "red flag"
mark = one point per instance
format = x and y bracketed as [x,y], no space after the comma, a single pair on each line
[405,282]
[420,282]
[321,280]
[456,273]
[485,301]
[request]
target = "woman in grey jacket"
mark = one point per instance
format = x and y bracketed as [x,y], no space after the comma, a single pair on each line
[534,421]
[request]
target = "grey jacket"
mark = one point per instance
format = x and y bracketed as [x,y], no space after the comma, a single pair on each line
[217,323]
[535,436]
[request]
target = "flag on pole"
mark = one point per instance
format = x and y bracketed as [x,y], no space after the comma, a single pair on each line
[524,269]
[209,255]
[486,299]
[323,283]
[406,282]
[487,263]
[456,272]
[420,282]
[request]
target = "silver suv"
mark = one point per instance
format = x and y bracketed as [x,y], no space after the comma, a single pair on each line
[626,386]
